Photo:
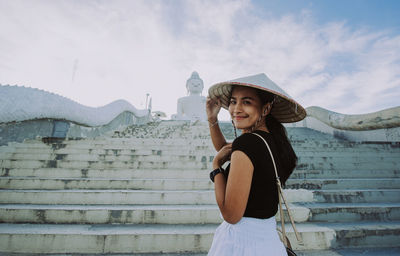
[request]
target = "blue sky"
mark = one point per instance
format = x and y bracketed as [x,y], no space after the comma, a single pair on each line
[373,14]
[340,55]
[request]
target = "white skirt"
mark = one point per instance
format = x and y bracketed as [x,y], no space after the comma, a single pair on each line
[250,236]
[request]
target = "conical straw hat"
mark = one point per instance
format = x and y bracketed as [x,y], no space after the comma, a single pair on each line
[285,109]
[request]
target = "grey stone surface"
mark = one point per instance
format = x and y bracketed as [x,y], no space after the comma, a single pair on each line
[23,103]
[123,120]
[353,252]
[146,165]
[19,131]
[388,118]
[383,134]
[370,252]
[342,252]
[53,128]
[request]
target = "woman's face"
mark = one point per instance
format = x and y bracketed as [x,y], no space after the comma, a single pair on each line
[245,107]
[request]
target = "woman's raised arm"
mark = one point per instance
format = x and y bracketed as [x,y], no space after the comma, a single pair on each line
[212,108]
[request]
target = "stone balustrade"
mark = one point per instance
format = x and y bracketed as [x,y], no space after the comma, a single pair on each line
[387,118]
[381,126]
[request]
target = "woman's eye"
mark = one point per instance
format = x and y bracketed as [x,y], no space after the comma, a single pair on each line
[246,102]
[233,102]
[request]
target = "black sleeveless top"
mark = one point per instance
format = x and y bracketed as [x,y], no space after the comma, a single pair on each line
[263,197]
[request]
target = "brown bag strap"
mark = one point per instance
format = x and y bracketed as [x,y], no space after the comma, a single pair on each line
[281,198]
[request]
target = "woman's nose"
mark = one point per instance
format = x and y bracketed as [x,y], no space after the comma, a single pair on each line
[238,107]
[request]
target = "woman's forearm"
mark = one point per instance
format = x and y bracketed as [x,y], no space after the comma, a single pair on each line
[220,183]
[217,137]
[232,194]
[219,189]
[219,186]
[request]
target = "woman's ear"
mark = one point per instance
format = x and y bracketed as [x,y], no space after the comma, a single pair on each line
[267,109]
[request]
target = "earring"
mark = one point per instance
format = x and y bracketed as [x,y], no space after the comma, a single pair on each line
[254,127]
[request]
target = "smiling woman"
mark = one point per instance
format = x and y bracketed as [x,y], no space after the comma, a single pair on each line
[246,192]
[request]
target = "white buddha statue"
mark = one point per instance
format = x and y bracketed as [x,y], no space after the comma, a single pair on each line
[193,106]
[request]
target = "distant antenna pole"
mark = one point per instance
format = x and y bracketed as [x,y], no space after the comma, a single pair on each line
[150,107]
[74,68]
[147,98]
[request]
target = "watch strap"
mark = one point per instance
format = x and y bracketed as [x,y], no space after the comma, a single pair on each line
[215,172]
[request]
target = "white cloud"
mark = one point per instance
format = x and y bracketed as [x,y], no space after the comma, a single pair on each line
[124,49]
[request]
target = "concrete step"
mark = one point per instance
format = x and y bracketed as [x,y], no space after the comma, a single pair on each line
[344,183]
[106,158]
[123,214]
[133,143]
[49,153]
[318,236]
[322,159]
[340,212]
[105,183]
[366,234]
[182,184]
[390,251]
[161,150]
[345,173]
[185,157]
[349,159]
[337,145]
[101,152]
[185,174]
[347,164]
[357,196]
[205,163]
[351,153]
[115,143]
[107,197]
[307,145]
[110,214]
[47,238]
[137,254]
[142,197]
[185,196]
[106,173]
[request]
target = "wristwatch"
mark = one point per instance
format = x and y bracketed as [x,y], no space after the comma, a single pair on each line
[215,172]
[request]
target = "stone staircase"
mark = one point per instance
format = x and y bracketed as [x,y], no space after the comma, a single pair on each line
[355,186]
[146,190]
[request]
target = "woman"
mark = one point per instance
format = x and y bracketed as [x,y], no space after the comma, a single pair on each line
[246,192]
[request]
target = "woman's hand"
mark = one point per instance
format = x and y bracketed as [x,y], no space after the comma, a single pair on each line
[223,155]
[213,106]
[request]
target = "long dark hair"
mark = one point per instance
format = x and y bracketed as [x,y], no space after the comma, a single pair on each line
[287,156]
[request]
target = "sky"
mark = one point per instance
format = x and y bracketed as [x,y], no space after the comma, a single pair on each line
[340,55]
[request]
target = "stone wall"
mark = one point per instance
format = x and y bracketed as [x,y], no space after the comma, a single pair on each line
[381,126]
[61,129]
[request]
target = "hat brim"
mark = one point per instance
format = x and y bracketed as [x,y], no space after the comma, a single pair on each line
[285,109]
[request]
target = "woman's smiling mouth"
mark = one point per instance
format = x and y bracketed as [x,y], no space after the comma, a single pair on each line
[238,118]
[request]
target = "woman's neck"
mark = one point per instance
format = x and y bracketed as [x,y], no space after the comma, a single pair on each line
[260,128]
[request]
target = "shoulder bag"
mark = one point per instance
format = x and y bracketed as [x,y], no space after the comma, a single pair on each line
[284,238]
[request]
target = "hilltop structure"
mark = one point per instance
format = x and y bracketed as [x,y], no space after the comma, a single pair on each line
[26,113]
[192,107]
[126,184]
